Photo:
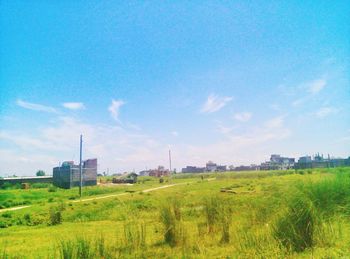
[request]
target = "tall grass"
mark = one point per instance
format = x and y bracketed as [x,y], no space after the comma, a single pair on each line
[173,227]
[82,247]
[134,236]
[330,196]
[218,214]
[295,229]
[309,211]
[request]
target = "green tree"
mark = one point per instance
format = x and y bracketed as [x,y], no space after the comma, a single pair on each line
[40,173]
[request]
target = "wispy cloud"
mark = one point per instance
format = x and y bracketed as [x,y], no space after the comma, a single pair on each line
[316,86]
[35,106]
[175,133]
[275,122]
[74,105]
[243,116]
[215,103]
[307,91]
[114,108]
[325,111]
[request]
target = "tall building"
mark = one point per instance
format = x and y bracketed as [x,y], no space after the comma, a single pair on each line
[68,174]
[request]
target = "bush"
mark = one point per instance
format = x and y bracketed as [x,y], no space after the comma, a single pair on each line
[27,218]
[3,224]
[39,185]
[52,189]
[56,215]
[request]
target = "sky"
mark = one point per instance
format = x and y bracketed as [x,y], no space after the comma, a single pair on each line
[227,81]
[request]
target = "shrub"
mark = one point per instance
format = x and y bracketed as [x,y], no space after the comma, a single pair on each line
[39,185]
[3,224]
[52,189]
[7,215]
[27,217]
[55,215]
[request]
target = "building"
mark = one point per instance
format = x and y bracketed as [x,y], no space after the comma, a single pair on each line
[305,159]
[144,173]
[210,166]
[251,167]
[221,168]
[193,169]
[126,178]
[277,162]
[160,172]
[68,174]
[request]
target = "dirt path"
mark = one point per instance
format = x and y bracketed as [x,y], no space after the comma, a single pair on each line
[126,193]
[102,197]
[14,208]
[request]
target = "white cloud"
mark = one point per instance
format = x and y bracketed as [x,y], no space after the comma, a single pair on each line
[243,116]
[215,103]
[35,106]
[175,133]
[316,86]
[74,105]
[115,147]
[325,111]
[114,108]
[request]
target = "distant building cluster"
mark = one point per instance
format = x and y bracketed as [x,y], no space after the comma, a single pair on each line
[276,162]
[209,167]
[68,174]
[318,161]
[159,172]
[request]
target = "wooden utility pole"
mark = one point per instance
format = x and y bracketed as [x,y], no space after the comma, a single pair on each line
[81,165]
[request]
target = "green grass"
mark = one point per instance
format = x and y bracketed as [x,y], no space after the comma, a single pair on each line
[273,214]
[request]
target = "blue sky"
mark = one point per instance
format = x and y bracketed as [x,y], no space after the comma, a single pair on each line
[228,81]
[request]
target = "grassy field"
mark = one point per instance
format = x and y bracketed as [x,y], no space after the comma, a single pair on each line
[276,214]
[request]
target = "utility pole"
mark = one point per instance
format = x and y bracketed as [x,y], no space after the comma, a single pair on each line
[170,160]
[81,165]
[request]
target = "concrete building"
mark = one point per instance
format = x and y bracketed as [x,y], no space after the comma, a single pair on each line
[161,171]
[277,162]
[251,167]
[193,169]
[68,175]
[305,159]
[210,166]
